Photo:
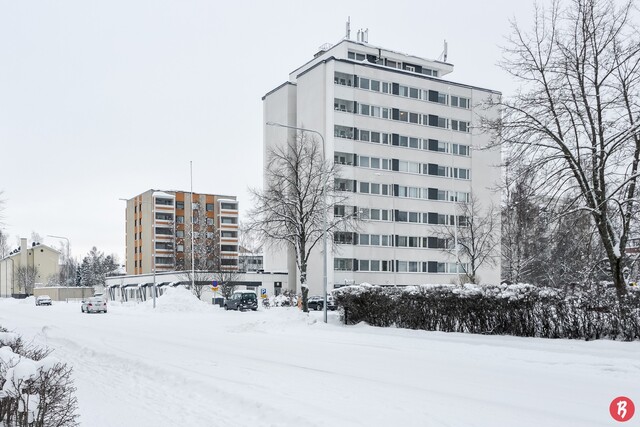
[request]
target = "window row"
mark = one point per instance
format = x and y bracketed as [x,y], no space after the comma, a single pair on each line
[401,90]
[397,165]
[348,238]
[397,114]
[401,65]
[349,264]
[375,214]
[195,206]
[401,140]
[403,191]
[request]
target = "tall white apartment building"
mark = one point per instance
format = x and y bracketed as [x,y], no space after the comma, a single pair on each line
[410,148]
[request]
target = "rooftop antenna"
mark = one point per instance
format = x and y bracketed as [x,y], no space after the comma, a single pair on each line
[365,36]
[348,28]
[444,53]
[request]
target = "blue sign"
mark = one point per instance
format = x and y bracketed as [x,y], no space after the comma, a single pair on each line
[263,291]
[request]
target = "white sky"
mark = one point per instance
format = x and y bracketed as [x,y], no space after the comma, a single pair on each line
[105,100]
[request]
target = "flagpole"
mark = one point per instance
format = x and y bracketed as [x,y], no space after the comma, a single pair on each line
[193,255]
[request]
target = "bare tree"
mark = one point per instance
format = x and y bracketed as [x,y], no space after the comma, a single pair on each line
[209,261]
[524,225]
[26,278]
[249,247]
[290,210]
[4,244]
[576,115]
[36,237]
[68,266]
[476,231]
[227,282]
[1,209]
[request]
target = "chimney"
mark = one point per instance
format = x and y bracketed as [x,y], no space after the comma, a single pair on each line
[23,252]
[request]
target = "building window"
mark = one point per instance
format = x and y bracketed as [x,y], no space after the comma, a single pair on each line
[163,216]
[228,234]
[229,206]
[180,219]
[165,231]
[343,132]
[356,55]
[209,207]
[343,79]
[460,126]
[460,102]
[179,205]
[164,202]
[228,220]
[343,264]
[180,233]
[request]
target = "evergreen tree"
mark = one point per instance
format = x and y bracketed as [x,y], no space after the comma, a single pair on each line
[95,267]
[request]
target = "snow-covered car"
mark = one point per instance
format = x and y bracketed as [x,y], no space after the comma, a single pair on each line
[317,303]
[242,300]
[94,305]
[43,300]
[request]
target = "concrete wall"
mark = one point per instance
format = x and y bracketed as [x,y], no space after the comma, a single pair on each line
[64,293]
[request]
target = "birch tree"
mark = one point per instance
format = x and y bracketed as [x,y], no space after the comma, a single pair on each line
[576,115]
[289,211]
[476,231]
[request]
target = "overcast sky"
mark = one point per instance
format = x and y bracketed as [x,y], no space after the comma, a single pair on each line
[101,100]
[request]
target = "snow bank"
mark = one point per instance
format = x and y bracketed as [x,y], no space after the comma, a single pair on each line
[8,338]
[177,299]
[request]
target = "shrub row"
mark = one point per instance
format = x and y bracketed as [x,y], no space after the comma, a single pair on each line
[36,389]
[522,310]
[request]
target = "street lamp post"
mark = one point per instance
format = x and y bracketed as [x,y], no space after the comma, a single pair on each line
[324,212]
[66,266]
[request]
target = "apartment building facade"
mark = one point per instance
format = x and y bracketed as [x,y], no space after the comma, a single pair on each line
[410,150]
[160,225]
[43,260]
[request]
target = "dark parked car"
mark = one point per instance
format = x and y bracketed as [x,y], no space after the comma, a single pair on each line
[317,303]
[242,300]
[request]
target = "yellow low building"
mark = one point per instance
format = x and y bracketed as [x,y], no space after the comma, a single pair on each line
[27,266]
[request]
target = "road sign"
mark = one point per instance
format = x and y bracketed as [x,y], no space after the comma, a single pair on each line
[214,286]
[263,293]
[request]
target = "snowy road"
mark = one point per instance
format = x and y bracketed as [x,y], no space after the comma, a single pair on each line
[190,364]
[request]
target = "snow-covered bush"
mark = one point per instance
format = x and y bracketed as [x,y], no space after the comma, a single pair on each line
[507,309]
[36,389]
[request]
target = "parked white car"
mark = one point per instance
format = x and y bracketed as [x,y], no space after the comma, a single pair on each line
[94,305]
[43,300]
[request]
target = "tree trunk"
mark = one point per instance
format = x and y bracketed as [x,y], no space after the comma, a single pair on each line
[305,299]
[617,274]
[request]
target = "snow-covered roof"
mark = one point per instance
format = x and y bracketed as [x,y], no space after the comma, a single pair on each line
[163,194]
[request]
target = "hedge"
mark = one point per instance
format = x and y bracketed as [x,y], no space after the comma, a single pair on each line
[592,312]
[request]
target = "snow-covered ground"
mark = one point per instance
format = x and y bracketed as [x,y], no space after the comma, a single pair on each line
[187,363]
